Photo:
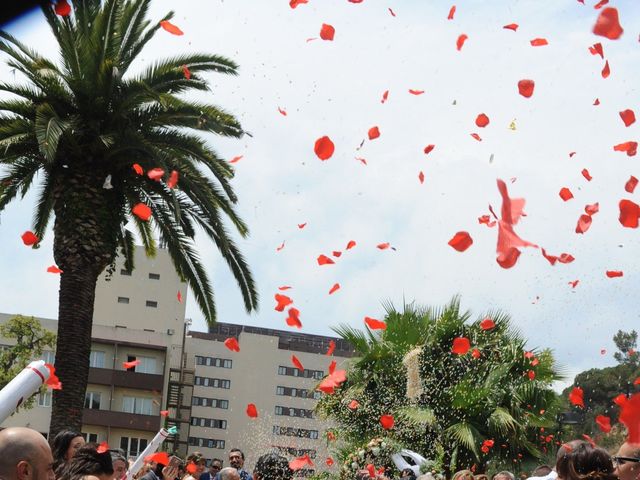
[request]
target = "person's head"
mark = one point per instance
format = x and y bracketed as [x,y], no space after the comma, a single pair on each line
[480,476]
[236,458]
[579,460]
[272,466]
[120,464]
[229,473]
[216,466]
[88,464]
[199,461]
[463,475]
[627,461]
[504,475]
[65,445]
[25,455]
[541,471]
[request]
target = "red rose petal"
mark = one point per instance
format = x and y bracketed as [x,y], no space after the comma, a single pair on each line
[53,269]
[280,247]
[29,238]
[476,136]
[628,117]
[511,26]
[138,169]
[630,417]
[592,209]
[525,88]
[482,120]
[186,72]
[392,12]
[387,422]
[131,364]
[475,353]
[576,397]
[584,223]
[596,101]
[606,71]
[155,174]
[297,363]
[300,462]
[232,344]
[282,111]
[335,288]
[629,213]
[324,148]
[374,324]
[327,32]
[383,246]
[173,179]
[103,447]
[236,159]
[596,49]
[421,177]
[565,194]
[350,245]
[604,423]
[374,132]
[428,149]
[586,174]
[487,324]
[284,287]
[142,211]
[293,320]
[62,8]
[171,28]
[353,405]
[324,260]
[295,3]
[508,258]
[461,241]
[252,411]
[539,42]
[460,42]
[283,301]
[461,345]
[332,347]
[614,273]
[631,148]
[416,92]
[608,24]
[600,4]
[302,225]
[452,12]
[385,96]
[631,184]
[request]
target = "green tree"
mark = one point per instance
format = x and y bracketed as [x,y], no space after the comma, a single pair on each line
[627,343]
[453,403]
[28,340]
[79,126]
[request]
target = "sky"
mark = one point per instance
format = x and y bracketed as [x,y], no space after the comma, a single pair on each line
[334,88]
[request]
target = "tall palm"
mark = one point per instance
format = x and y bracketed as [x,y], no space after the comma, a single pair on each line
[78,127]
[463,401]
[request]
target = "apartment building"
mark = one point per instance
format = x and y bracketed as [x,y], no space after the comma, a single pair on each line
[204,386]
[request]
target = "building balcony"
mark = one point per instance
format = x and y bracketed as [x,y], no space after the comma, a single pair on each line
[129,421]
[126,379]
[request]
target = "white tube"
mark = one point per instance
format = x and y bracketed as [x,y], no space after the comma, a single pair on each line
[20,389]
[151,448]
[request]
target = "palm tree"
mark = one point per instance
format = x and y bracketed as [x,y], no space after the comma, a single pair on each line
[460,400]
[80,127]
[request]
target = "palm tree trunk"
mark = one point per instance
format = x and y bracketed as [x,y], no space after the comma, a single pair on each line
[75,318]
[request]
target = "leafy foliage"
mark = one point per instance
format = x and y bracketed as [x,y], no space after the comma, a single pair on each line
[460,401]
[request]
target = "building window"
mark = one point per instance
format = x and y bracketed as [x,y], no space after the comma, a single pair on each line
[298,392]
[296,452]
[141,406]
[49,357]
[154,276]
[92,400]
[44,399]
[206,442]
[96,359]
[212,382]
[152,304]
[208,422]
[147,364]
[125,272]
[133,446]
[124,300]
[294,412]
[294,372]
[90,437]
[210,402]
[214,362]
[295,432]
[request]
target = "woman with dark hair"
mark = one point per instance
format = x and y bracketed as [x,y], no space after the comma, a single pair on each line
[88,464]
[580,460]
[65,444]
[272,466]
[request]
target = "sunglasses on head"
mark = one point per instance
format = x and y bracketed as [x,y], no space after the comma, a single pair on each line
[623,460]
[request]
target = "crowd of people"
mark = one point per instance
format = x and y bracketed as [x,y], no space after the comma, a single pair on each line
[26,455]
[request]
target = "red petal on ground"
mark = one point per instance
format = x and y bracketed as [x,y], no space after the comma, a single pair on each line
[584,223]
[324,148]
[631,184]
[62,8]
[232,344]
[630,417]
[335,288]
[374,132]
[428,149]
[293,320]
[387,421]
[461,241]
[283,301]
[487,324]
[628,117]
[629,213]
[565,194]
[385,96]
[606,71]
[596,49]
[374,324]
[576,397]
[332,347]
[53,269]
[461,345]
[614,273]
[525,88]
[297,363]
[142,212]
[324,260]
[29,238]
[608,24]
[539,42]
[482,120]
[327,32]
[171,28]
[252,411]
[630,147]
[452,12]
[460,42]
[604,423]
[511,26]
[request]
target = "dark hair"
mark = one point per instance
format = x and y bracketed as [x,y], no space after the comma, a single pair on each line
[59,448]
[579,460]
[87,461]
[541,471]
[272,466]
[216,460]
[237,450]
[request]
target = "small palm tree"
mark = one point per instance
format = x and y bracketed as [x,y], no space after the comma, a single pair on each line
[87,130]
[459,401]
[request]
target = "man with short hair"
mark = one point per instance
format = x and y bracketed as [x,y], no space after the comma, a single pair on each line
[627,461]
[504,475]
[236,460]
[25,455]
[229,473]
[214,468]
